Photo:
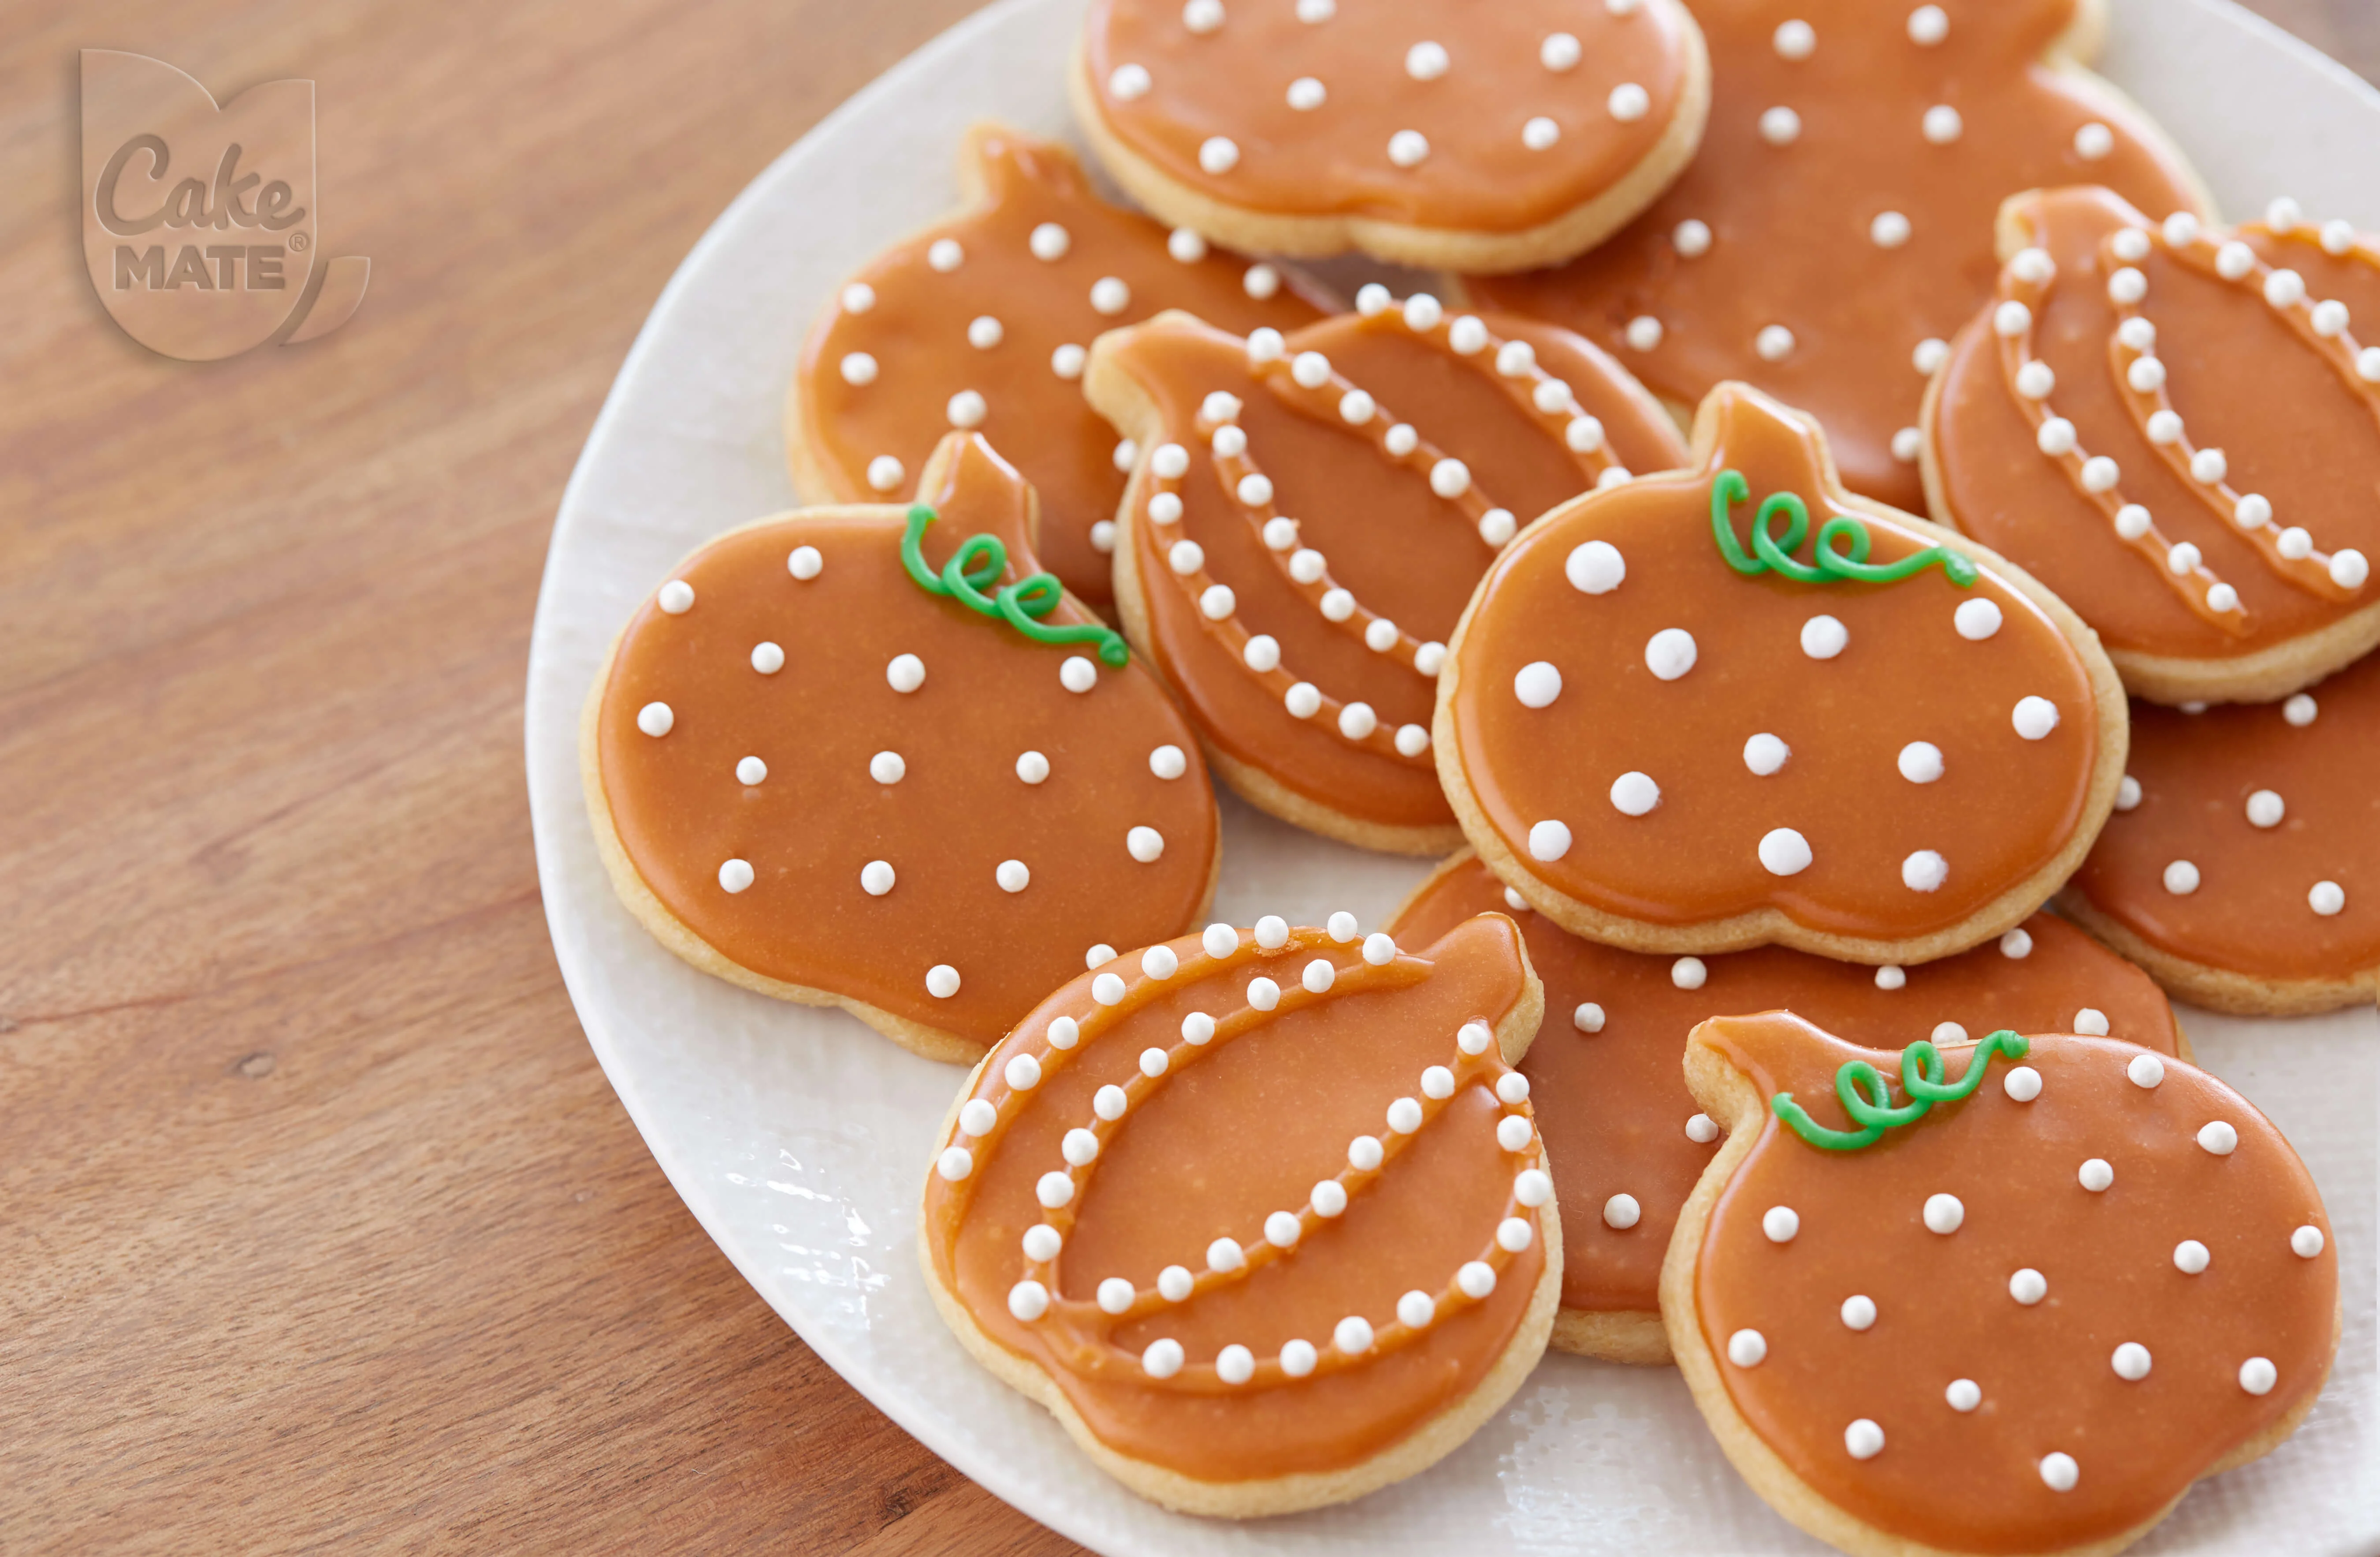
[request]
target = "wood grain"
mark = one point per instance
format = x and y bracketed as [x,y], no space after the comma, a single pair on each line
[318,1224]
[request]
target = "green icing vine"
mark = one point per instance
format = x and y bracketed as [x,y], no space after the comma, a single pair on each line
[981,560]
[1774,554]
[1867,1096]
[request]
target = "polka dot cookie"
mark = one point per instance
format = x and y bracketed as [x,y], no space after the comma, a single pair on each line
[2012,1297]
[1260,1216]
[983,323]
[867,757]
[1735,705]
[2135,416]
[1627,1141]
[1309,516]
[2242,865]
[1423,132]
[1836,227]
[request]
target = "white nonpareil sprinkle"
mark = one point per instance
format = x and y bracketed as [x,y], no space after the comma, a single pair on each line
[1784,852]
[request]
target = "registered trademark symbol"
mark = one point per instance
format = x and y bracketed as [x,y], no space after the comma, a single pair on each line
[297,242]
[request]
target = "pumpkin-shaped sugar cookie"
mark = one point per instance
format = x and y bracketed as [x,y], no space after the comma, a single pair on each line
[2174,426]
[1835,229]
[1434,133]
[1735,705]
[1627,1141]
[1261,1216]
[869,757]
[983,322]
[2010,1297]
[2242,864]
[1310,512]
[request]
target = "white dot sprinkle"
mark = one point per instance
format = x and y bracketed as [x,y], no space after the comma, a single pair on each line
[1928,25]
[2035,717]
[1587,1018]
[1780,1223]
[2307,1241]
[2028,1286]
[955,1164]
[1924,870]
[1891,977]
[1863,1440]
[1921,762]
[656,719]
[1622,1212]
[1976,619]
[1629,103]
[1426,61]
[1942,124]
[2326,898]
[735,875]
[804,562]
[942,980]
[1701,1129]
[1218,154]
[875,878]
[2058,1472]
[2095,1175]
[1077,674]
[1537,685]
[1784,852]
[2130,1362]
[1558,52]
[1669,653]
[1859,1312]
[1747,1348]
[1128,83]
[1145,844]
[2023,1084]
[1963,1395]
[2182,877]
[2190,1257]
[2094,142]
[1644,333]
[1765,754]
[1823,638]
[1944,1214]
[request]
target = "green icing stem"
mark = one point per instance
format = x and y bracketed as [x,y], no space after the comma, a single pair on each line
[1774,554]
[981,560]
[1867,1096]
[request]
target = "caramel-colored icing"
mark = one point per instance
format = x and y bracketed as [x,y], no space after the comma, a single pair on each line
[2002,810]
[1235,1130]
[1970,1481]
[914,328]
[958,811]
[1613,1102]
[1479,173]
[1404,552]
[1792,227]
[2293,421]
[2251,911]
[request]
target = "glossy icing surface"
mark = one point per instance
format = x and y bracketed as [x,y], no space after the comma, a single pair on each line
[1607,1075]
[1845,702]
[2289,419]
[1949,1305]
[957,811]
[920,336]
[1230,1135]
[2256,865]
[1371,66]
[1793,230]
[1340,514]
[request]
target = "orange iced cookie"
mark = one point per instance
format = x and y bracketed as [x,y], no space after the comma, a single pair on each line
[1425,132]
[1260,1216]
[2242,864]
[1735,705]
[983,323]
[1627,1141]
[2011,1298]
[2177,425]
[1836,228]
[870,757]
[1309,515]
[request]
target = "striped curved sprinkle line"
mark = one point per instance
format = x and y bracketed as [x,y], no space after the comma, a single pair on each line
[1772,552]
[979,561]
[1867,1096]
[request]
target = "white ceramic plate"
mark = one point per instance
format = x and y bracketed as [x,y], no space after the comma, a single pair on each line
[799,1139]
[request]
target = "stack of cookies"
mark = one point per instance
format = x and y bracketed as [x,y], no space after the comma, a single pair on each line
[1858,577]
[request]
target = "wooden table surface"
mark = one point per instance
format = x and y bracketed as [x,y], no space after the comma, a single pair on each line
[318,1222]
